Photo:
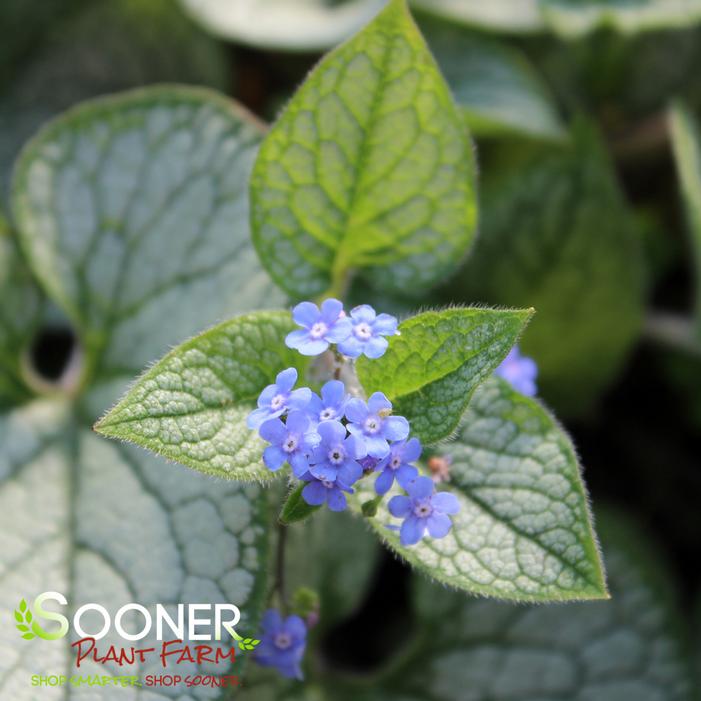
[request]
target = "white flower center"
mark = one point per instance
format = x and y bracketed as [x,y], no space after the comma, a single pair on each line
[327,414]
[327,483]
[318,330]
[291,443]
[363,331]
[337,455]
[283,641]
[277,402]
[395,462]
[372,424]
[423,509]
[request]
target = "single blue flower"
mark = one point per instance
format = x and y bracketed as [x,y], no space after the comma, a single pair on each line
[319,327]
[368,332]
[372,422]
[423,509]
[282,644]
[292,442]
[519,371]
[396,465]
[319,491]
[276,399]
[335,457]
[332,403]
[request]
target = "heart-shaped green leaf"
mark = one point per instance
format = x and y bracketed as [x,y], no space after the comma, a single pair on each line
[524,530]
[369,165]
[192,405]
[430,371]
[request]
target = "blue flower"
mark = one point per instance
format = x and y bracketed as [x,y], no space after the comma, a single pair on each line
[423,509]
[396,465]
[332,403]
[372,422]
[292,442]
[276,399]
[282,644]
[319,328]
[335,457]
[367,334]
[319,491]
[519,371]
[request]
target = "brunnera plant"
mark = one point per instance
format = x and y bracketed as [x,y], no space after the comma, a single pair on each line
[369,173]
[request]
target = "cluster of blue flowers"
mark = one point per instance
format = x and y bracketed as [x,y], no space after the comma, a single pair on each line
[332,440]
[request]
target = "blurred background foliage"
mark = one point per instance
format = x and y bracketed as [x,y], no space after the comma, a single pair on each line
[583,217]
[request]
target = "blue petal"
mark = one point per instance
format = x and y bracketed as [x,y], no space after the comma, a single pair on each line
[330,310]
[297,338]
[378,402]
[285,380]
[274,458]
[340,331]
[296,627]
[412,530]
[375,348]
[399,506]
[376,446]
[312,347]
[273,431]
[299,463]
[445,502]
[422,488]
[297,421]
[385,324]
[324,471]
[331,432]
[314,494]
[363,313]
[351,347]
[384,482]
[337,500]
[406,474]
[411,450]
[333,393]
[306,314]
[395,428]
[349,473]
[267,395]
[355,446]
[299,399]
[272,622]
[438,525]
[257,417]
[356,411]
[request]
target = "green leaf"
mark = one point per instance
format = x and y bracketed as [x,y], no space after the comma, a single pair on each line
[283,24]
[686,143]
[104,522]
[498,89]
[630,647]
[20,626]
[524,530]
[28,636]
[572,18]
[430,371]
[192,405]
[23,605]
[557,235]
[149,40]
[369,167]
[295,507]
[19,617]
[503,15]
[132,210]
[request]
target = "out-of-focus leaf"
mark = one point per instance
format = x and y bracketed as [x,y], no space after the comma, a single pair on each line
[369,168]
[523,531]
[498,89]
[297,25]
[110,45]
[557,235]
[513,16]
[20,311]
[104,522]
[571,18]
[627,648]
[133,212]
[435,363]
[686,142]
[192,405]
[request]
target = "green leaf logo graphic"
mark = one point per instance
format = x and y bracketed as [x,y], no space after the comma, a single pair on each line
[248,643]
[24,617]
